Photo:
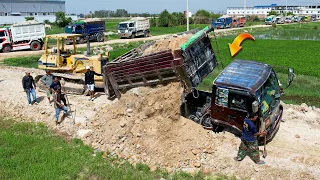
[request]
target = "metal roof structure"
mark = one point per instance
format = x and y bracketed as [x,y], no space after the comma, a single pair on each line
[244,75]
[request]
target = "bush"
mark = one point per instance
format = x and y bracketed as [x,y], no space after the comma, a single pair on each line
[47,21]
[29,18]
[274,25]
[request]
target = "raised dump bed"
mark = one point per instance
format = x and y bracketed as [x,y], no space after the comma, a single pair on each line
[190,64]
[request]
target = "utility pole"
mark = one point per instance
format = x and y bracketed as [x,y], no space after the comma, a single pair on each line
[286,7]
[244,8]
[187,15]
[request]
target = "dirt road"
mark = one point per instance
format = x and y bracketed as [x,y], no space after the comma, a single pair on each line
[143,126]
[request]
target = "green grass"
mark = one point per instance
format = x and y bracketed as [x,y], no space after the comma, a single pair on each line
[31,151]
[28,62]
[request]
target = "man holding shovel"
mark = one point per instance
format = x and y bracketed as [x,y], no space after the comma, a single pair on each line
[249,143]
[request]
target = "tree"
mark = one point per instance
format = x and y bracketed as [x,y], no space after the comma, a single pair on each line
[288,14]
[273,13]
[121,13]
[164,18]
[61,19]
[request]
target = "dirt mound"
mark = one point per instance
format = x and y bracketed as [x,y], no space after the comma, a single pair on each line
[172,42]
[145,124]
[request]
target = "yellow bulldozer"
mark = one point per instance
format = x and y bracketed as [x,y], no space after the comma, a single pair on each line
[67,64]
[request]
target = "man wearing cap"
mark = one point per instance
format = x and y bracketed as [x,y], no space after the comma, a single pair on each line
[47,80]
[89,81]
[29,87]
[249,143]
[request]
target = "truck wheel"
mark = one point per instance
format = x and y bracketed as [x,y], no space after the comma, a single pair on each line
[6,48]
[100,38]
[81,40]
[133,36]
[35,46]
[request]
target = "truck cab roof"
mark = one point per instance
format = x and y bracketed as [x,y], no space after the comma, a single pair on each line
[244,75]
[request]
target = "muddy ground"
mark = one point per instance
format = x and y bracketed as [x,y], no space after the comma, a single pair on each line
[144,126]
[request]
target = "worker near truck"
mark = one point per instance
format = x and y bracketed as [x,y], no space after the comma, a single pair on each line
[57,85]
[29,87]
[89,81]
[57,99]
[47,80]
[249,144]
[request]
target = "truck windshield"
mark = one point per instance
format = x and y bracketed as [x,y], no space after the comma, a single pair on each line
[220,20]
[123,26]
[269,92]
[2,33]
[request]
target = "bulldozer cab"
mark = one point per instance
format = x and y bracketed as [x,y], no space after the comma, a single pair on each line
[58,56]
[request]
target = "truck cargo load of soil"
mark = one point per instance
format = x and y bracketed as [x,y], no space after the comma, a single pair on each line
[172,42]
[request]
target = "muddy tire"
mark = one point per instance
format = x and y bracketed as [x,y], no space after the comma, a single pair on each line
[100,38]
[35,46]
[6,48]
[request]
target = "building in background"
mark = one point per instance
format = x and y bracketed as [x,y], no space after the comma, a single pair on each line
[262,11]
[12,11]
[31,7]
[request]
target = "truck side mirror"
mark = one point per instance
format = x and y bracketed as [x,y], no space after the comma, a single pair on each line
[291,76]
[255,106]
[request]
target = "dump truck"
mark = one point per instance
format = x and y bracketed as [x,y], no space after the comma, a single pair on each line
[67,64]
[222,22]
[89,29]
[135,27]
[270,20]
[239,21]
[289,19]
[243,87]
[22,36]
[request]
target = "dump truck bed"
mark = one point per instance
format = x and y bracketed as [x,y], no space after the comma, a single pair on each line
[190,64]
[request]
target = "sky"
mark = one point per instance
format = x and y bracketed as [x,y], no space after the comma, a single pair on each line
[156,6]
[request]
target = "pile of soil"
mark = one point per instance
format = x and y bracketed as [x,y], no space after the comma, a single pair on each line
[172,42]
[145,126]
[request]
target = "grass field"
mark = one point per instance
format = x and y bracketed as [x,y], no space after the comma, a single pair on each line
[28,62]
[31,151]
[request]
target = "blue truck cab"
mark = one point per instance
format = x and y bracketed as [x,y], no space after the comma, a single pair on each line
[90,30]
[222,22]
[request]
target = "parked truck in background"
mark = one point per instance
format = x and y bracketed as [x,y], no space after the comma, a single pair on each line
[243,87]
[222,22]
[313,17]
[239,21]
[22,36]
[90,29]
[135,27]
[289,19]
[270,20]
[279,20]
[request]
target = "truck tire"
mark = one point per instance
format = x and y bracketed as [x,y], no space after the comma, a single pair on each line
[133,36]
[6,48]
[100,38]
[35,46]
[81,40]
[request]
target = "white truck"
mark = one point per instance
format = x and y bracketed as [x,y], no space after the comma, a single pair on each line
[134,27]
[21,36]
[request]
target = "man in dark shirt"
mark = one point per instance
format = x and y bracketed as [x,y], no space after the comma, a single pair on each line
[89,81]
[29,87]
[57,85]
[249,144]
[58,105]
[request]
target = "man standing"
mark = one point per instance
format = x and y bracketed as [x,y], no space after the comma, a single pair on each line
[47,80]
[57,85]
[249,144]
[57,97]
[89,81]
[29,87]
